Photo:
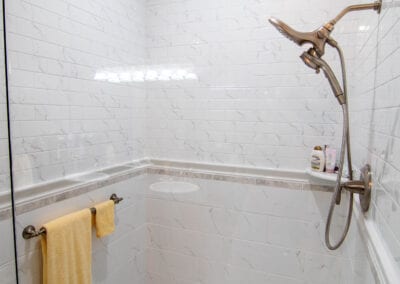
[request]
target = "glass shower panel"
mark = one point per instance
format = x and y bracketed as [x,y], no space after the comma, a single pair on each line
[76,106]
[77,109]
[7,261]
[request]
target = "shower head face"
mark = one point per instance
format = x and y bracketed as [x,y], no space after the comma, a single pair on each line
[286,30]
[317,38]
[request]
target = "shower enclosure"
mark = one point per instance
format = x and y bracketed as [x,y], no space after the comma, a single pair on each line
[201,117]
[7,253]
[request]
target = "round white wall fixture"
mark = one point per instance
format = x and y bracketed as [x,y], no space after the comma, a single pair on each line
[176,187]
[95,176]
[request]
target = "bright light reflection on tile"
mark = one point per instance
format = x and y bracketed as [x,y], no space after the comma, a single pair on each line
[145,73]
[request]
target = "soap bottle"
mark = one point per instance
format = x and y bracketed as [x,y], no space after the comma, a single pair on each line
[317,159]
[330,159]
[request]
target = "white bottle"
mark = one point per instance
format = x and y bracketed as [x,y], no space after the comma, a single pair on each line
[317,159]
[330,160]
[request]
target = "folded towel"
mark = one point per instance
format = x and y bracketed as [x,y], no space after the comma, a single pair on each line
[67,249]
[104,219]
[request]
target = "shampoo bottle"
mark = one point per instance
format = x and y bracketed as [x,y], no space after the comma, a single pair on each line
[317,159]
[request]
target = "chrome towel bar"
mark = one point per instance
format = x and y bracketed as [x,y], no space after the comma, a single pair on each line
[30,231]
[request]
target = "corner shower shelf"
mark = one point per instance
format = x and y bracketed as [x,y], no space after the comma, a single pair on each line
[323,178]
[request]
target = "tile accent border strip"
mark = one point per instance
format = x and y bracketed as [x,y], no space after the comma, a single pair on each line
[243,175]
[37,196]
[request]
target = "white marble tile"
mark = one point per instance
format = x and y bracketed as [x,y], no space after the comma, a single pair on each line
[256,240]
[7,273]
[187,242]
[7,242]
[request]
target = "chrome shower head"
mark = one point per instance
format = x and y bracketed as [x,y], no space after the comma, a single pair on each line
[317,38]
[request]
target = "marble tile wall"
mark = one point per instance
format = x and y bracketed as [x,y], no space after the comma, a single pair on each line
[94,84]
[79,102]
[116,258]
[75,104]
[249,100]
[224,232]
[375,110]
[233,233]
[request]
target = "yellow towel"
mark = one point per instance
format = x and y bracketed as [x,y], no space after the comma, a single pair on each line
[104,219]
[67,249]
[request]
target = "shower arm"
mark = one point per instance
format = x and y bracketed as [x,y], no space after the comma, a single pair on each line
[324,32]
[377,6]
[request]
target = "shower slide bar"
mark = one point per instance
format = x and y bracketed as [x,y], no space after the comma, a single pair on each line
[30,231]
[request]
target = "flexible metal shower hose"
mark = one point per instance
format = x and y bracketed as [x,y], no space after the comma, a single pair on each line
[345,145]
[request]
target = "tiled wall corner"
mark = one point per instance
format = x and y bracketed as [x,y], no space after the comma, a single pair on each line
[375,113]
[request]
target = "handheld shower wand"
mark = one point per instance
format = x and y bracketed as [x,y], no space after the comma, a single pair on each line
[313,59]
